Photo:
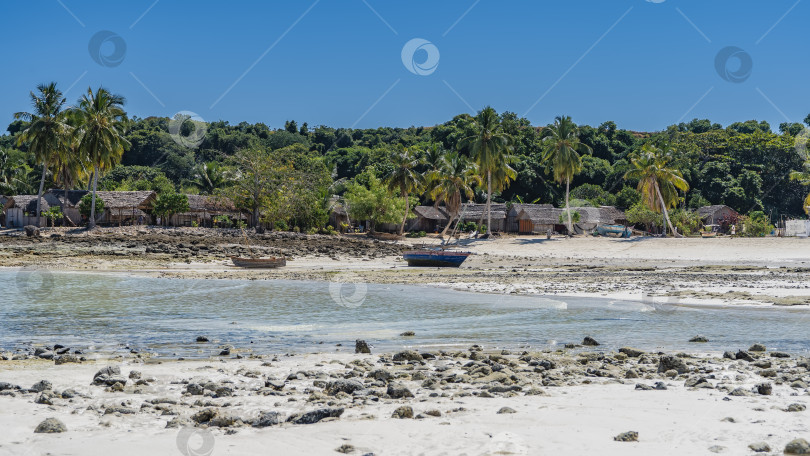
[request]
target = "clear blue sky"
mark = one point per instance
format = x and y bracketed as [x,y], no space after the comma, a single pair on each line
[643,64]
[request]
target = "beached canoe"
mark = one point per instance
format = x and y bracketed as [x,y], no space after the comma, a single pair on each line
[435,258]
[619,230]
[708,234]
[259,262]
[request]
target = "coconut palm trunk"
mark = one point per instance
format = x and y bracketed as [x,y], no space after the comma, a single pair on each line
[666,213]
[489,202]
[39,195]
[567,207]
[405,217]
[92,222]
[449,222]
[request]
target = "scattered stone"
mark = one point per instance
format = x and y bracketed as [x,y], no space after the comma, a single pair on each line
[31,231]
[434,413]
[277,385]
[660,386]
[779,355]
[398,391]
[796,407]
[343,386]
[505,410]
[50,426]
[407,355]
[267,419]
[760,447]
[345,449]
[631,352]
[764,389]
[744,355]
[408,334]
[202,339]
[757,348]
[699,339]
[403,412]
[225,351]
[629,436]
[135,375]
[109,376]
[798,446]
[631,373]
[643,387]
[669,362]
[589,341]
[360,346]
[315,415]
[717,449]
[41,386]
[64,359]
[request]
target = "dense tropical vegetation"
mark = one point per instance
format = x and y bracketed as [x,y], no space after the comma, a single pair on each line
[289,177]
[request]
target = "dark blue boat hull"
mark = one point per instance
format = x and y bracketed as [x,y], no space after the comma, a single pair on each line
[435,259]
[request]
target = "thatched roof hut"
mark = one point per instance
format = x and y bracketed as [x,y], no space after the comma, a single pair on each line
[127,200]
[28,203]
[208,203]
[716,213]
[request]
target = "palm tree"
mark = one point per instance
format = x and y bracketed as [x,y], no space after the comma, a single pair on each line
[405,178]
[10,175]
[658,180]
[804,178]
[489,148]
[103,121]
[208,177]
[562,149]
[47,130]
[453,180]
[69,167]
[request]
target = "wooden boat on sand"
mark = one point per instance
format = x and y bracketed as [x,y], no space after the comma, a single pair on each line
[435,258]
[266,263]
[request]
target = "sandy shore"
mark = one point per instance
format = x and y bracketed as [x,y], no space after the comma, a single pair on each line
[564,403]
[742,271]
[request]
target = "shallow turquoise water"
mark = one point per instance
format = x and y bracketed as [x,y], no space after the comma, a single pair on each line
[111,312]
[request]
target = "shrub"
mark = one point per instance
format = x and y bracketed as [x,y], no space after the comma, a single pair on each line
[86,203]
[281,225]
[756,224]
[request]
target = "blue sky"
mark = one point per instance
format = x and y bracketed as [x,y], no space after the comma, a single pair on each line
[643,64]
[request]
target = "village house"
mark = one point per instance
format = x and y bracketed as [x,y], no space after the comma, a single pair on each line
[719,214]
[21,210]
[544,218]
[429,219]
[202,209]
[126,208]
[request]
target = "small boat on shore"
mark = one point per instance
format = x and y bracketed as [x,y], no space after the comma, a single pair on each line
[708,234]
[435,258]
[266,263]
[620,230]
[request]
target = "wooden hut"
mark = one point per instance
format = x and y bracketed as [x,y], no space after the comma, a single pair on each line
[512,221]
[126,208]
[472,212]
[719,214]
[69,204]
[203,208]
[541,219]
[21,210]
[429,219]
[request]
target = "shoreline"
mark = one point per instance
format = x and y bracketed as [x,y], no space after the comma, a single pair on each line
[469,401]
